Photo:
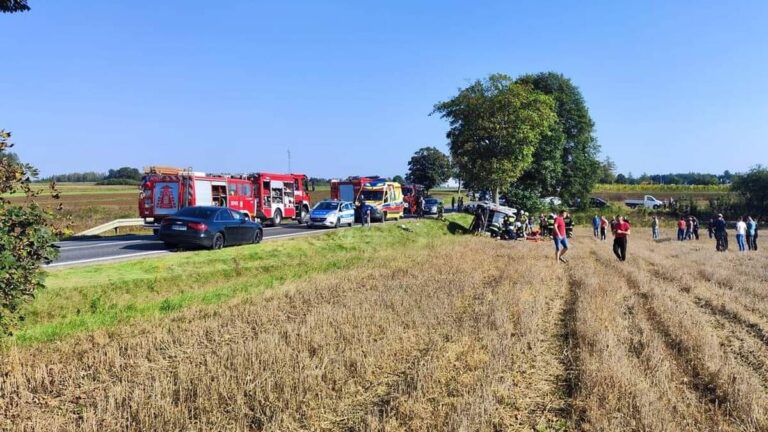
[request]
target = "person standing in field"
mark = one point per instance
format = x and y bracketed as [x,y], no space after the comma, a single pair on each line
[596,226]
[711,227]
[453,203]
[655,227]
[620,239]
[695,227]
[681,229]
[751,230]
[603,227]
[741,232]
[721,236]
[560,237]
[757,227]
[614,222]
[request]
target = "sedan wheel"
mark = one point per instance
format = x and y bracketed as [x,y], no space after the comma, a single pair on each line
[218,241]
[258,236]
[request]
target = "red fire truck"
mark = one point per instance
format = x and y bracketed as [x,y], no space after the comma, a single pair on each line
[349,189]
[411,195]
[269,197]
[280,196]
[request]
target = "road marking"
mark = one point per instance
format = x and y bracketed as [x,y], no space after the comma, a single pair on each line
[109,258]
[112,243]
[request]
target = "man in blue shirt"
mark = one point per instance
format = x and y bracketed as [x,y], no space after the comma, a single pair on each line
[751,230]
[596,226]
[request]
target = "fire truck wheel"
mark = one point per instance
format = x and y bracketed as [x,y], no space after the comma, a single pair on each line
[258,236]
[277,218]
[304,216]
[155,231]
[218,241]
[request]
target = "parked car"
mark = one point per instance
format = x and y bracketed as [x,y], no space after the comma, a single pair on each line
[212,227]
[551,201]
[647,202]
[596,202]
[431,205]
[332,213]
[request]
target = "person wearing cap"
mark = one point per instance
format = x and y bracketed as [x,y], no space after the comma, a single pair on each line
[721,236]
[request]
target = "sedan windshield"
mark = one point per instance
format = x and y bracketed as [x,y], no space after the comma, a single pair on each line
[327,205]
[197,212]
[372,195]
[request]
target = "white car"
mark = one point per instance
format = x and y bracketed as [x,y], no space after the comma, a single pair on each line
[332,213]
[551,201]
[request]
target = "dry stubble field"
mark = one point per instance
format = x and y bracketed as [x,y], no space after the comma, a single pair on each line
[471,334]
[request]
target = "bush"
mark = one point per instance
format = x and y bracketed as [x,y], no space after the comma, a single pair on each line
[119,181]
[27,236]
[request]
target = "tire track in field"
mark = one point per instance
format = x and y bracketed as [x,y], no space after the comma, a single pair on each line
[734,326]
[570,345]
[683,355]
[659,272]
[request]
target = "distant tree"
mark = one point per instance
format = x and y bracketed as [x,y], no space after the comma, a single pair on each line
[621,179]
[11,6]
[495,127]
[607,171]
[124,173]
[565,162]
[428,167]
[398,179]
[753,187]
[27,235]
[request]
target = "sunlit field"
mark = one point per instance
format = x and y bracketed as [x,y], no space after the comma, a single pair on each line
[433,332]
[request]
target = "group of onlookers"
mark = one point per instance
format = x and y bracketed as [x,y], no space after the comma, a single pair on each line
[688,229]
[746,233]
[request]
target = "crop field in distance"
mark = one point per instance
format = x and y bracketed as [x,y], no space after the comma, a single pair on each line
[496,336]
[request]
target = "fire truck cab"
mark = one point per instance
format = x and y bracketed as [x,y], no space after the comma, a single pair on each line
[280,196]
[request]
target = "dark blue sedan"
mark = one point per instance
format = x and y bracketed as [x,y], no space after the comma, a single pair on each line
[211,227]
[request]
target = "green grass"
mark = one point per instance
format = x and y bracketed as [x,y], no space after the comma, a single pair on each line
[85,299]
[83,189]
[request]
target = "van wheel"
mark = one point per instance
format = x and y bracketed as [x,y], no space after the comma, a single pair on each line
[338,223]
[218,241]
[277,219]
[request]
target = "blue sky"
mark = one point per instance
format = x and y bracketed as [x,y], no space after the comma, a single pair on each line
[348,86]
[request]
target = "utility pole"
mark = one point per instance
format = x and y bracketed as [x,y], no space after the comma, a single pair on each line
[289,161]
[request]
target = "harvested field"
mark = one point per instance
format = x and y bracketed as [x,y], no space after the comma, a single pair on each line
[463,333]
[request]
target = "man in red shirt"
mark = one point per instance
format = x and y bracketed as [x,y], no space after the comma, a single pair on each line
[620,239]
[558,234]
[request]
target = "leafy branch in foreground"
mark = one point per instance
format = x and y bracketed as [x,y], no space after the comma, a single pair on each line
[27,235]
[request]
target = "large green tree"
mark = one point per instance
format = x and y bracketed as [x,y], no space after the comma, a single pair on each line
[27,235]
[428,167]
[565,162]
[11,6]
[496,125]
[753,187]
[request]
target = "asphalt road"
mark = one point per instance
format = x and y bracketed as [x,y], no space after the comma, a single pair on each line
[102,249]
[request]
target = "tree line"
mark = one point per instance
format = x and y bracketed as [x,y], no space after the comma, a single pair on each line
[607,175]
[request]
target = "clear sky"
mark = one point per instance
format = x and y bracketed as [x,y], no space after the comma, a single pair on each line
[231,86]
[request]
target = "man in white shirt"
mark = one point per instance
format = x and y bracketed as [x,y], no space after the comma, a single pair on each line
[741,233]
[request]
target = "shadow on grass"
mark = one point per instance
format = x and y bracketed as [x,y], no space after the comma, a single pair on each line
[457,228]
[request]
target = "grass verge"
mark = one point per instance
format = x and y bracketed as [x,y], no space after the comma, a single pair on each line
[89,298]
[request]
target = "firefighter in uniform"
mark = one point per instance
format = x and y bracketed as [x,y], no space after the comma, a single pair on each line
[550,223]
